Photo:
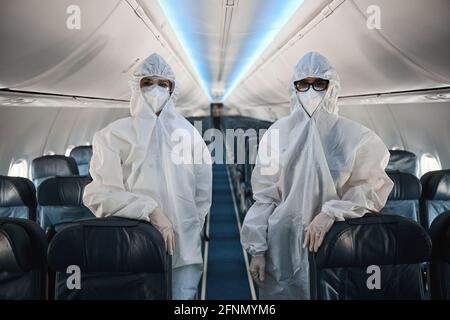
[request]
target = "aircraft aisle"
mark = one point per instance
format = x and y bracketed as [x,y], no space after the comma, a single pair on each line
[226,276]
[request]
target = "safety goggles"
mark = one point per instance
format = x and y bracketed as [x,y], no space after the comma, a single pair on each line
[318,85]
[162,82]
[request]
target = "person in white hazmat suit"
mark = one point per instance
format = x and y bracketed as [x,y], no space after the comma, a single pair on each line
[135,176]
[328,169]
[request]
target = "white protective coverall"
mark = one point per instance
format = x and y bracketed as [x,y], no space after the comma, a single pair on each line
[326,163]
[133,173]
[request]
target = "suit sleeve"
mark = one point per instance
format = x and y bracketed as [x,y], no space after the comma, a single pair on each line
[267,197]
[106,196]
[368,186]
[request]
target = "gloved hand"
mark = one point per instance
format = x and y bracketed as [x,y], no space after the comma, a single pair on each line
[164,226]
[257,269]
[316,231]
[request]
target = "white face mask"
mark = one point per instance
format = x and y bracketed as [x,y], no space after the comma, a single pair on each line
[156,97]
[310,100]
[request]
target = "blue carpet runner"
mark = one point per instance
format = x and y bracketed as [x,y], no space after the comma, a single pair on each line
[226,276]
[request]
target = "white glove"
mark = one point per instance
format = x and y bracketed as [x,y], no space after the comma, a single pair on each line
[316,231]
[164,226]
[257,269]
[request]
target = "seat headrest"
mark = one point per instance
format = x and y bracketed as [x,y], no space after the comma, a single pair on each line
[406,186]
[62,191]
[374,239]
[109,245]
[17,191]
[436,185]
[440,235]
[402,161]
[81,154]
[53,165]
[23,246]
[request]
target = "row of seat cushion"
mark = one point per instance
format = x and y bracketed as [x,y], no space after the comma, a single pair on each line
[17,198]
[23,250]
[62,193]
[404,197]
[82,156]
[48,166]
[59,165]
[125,259]
[117,259]
[420,200]
[435,195]
[373,257]
[59,200]
[402,161]
[440,258]
[394,247]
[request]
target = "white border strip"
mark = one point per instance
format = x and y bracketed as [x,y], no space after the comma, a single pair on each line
[250,281]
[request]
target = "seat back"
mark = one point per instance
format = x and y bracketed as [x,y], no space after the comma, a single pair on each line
[17,198]
[45,167]
[404,197]
[402,161]
[60,200]
[390,248]
[440,257]
[118,259]
[435,195]
[82,156]
[23,252]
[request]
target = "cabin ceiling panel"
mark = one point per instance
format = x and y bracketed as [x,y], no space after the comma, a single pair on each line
[368,61]
[94,61]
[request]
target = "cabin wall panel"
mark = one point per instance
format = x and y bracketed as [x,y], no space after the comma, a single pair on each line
[29,132]
[417,127]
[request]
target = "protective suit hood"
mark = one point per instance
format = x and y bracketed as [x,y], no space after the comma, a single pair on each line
[315,65]
[154,65]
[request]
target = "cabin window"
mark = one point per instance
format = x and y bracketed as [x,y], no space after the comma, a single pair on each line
[428,162]
[19,168]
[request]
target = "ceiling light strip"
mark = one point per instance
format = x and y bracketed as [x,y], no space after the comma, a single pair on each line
[158,36]
[172,22]
[328,10]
